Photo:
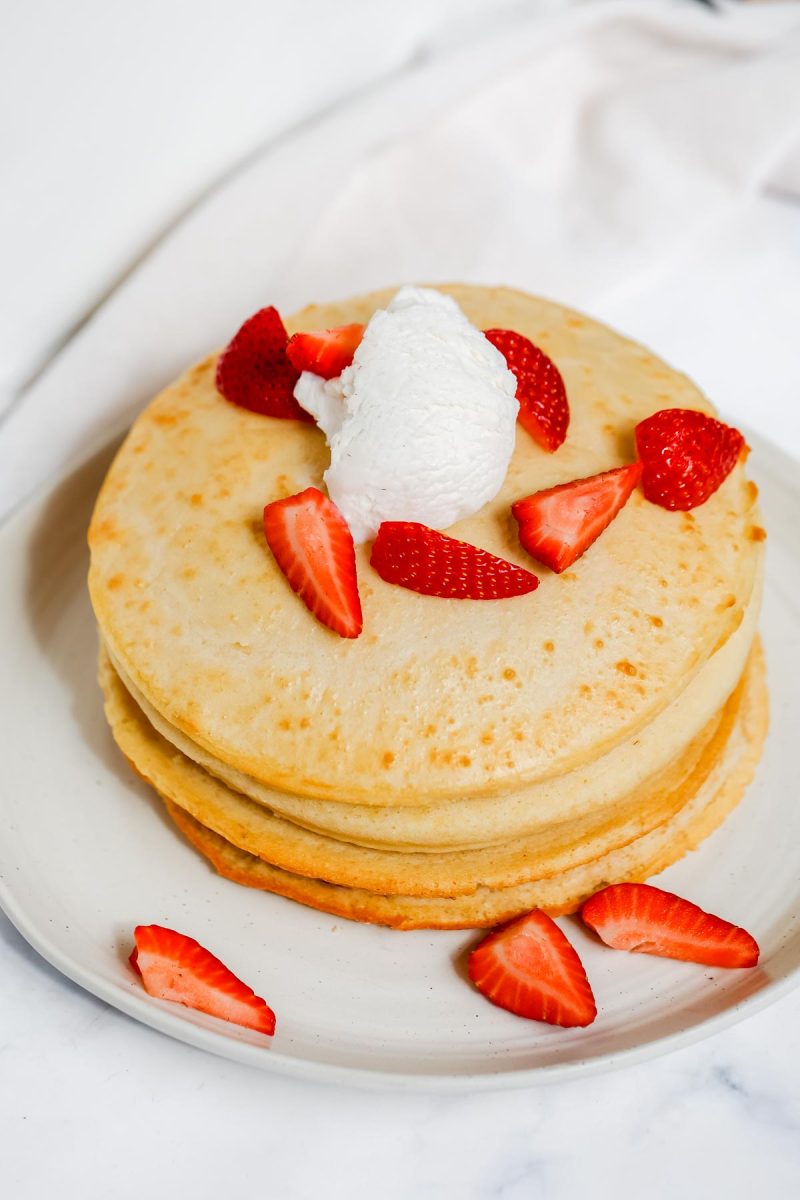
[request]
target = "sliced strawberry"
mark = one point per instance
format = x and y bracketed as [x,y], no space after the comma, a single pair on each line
[685,456]
[325,352]
[254,372]
[176,967]
[314,548]
[638,917]
[530,968]
[423,560]
[559,523]
[543,407]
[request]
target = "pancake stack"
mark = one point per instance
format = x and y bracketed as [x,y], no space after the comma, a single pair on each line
[460,762]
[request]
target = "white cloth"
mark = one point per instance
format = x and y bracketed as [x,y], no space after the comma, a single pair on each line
[612,157]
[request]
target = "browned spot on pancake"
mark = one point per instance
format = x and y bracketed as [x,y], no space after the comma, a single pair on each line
[196,499]
[509,673]
[304,722]
[465,761]
[663,583]
[656,621]
[429,731]
[188,573]
[222,494]
[568,575]
[144,606]
[627,668]
[284,487]
[334,735]
[116,581]
[588,626]
[485,699]
[599,643]
[728,602]
[387,759]
[549,647]
[752,491]
[519,736]
[585,689]
[756,533]
[176,631]
[285,723]
[487,738]
[575,322]
[103,531]
[167,419]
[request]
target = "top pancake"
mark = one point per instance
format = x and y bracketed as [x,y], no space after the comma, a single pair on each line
[437,698]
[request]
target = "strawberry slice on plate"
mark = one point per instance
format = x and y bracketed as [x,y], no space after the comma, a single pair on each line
[685,455]
[177,968]
[558,524]
[529,968]
[424,560]
[313,546]
[646,920]
[254,371]
[543,406]
[325,352]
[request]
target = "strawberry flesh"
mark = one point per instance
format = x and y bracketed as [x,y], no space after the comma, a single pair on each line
[177,968]
[313,546]
[685,456]
[646,920]
[254,371]
[558,524]
[324,352]
[424,560]
[529,968]
[543,406]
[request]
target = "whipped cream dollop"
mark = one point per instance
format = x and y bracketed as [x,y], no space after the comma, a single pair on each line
[421,425]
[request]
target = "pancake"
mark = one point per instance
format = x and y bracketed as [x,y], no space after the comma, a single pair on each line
[553,849]
[462,824]
[460,762]
[564,893]
[438,699]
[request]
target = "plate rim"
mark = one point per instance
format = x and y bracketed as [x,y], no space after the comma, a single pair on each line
[158,1016]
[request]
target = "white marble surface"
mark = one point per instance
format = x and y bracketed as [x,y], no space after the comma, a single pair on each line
[92,1104]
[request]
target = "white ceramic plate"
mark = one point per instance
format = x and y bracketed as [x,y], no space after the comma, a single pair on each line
[86,853]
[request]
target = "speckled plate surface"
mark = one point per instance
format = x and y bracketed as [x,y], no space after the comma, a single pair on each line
[87,853]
